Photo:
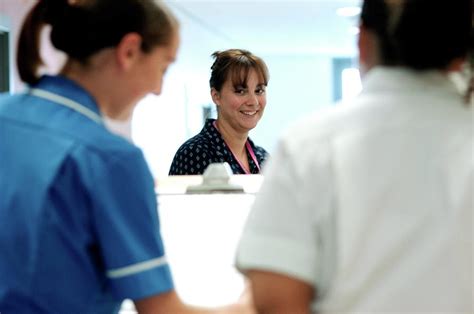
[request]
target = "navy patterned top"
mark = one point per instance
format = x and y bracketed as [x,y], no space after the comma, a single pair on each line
[208,147]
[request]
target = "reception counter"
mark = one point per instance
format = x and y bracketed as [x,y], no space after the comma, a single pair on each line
[200,234]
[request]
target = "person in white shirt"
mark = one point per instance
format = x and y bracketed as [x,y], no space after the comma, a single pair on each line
[375,214]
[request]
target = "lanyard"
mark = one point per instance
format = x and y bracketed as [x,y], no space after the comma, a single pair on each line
[250,150]
[64,101]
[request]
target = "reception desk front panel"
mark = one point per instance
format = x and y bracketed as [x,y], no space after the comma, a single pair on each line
[200,233]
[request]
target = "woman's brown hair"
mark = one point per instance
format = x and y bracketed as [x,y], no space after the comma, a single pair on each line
[236,64]
[82,28]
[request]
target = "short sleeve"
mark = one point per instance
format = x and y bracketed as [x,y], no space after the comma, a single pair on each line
[282,232]
[127,226]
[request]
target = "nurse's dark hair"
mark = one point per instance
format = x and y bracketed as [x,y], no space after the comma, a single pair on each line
[421,34]
[80,28]
[236,64]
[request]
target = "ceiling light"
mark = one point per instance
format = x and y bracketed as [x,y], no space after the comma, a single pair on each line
[348,11]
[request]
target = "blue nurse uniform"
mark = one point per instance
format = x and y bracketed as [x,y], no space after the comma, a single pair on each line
[79,229]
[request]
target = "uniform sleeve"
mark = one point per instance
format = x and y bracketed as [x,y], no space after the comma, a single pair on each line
[282,233]
[127,227]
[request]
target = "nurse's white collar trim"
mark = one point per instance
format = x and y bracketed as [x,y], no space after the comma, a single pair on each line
[67,103]
[136,268]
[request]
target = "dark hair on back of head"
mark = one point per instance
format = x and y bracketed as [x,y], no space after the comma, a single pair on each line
[236,64]
[420,34]
[82,28]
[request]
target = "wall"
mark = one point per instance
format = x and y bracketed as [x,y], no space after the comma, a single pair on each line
[298,84]
[12,12]
[11,16]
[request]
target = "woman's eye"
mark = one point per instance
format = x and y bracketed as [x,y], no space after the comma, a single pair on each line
[260,91]
[240,91]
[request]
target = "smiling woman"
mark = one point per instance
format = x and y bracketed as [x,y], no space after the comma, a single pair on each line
[238,82]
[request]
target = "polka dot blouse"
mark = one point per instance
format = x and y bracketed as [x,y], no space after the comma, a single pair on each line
[208,147]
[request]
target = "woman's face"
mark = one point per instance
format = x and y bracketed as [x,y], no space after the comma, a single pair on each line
[155,64]
[147,74]
[241,107]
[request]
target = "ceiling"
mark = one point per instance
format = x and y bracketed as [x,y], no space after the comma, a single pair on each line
[266,27]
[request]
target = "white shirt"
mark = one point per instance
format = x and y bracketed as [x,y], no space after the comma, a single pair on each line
[372,203]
